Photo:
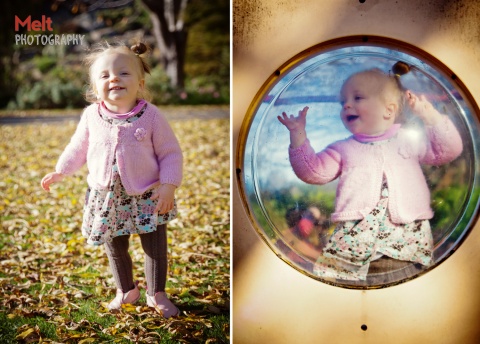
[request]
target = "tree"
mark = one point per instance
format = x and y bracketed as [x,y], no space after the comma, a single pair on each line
[167,18]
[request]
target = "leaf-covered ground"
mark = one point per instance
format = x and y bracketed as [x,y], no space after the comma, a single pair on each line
[54,287]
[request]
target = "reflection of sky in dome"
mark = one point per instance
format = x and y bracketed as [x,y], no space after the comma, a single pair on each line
[319,78]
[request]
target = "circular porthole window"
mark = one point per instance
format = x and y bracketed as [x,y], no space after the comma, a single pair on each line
[358,162]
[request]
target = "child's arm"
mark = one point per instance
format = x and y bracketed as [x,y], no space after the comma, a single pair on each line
[168,152]
[75,154]
[170,163]
[310,167]
[444,141]
[422,108]
[50,178]
[296,126]
[72,158]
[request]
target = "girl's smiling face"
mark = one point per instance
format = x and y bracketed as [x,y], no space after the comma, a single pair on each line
[364,109]
[116,81]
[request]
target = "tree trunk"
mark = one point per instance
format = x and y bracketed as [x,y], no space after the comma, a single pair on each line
[168,28]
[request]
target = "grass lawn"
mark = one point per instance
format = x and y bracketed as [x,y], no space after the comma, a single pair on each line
[54,287]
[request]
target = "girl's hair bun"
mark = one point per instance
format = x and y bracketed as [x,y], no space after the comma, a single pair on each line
[139,48]
[400,68]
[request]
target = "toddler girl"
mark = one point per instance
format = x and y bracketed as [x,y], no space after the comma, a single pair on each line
[134,163]
[382,202]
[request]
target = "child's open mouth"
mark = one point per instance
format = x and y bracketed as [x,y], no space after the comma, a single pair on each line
[116,88]
[351,118]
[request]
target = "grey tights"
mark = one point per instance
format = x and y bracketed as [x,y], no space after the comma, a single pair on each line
[155,247]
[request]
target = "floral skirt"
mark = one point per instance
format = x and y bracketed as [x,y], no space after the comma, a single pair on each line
[354,244]
[112,212]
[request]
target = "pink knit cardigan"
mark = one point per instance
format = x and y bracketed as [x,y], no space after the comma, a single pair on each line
[360,168]
[147,151]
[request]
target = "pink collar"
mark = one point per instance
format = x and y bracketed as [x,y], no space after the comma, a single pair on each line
[141,103]
[392,131]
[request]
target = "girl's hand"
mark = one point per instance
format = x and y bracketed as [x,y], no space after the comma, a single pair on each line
[295,123]
[296,126]
[422,108]
[165,195]
[51,178]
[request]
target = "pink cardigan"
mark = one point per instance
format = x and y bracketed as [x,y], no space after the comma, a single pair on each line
[360,168]
[147,151]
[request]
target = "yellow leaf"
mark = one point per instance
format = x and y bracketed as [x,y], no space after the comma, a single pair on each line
[184,292]
[128,307]
[25,334]
[104,304]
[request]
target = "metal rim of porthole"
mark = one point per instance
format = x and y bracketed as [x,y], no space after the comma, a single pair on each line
[341,48]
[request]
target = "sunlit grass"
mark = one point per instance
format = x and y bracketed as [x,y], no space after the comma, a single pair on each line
[53,284]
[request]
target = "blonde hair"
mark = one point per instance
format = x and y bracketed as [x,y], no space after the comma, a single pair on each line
[389,87]
[136,51]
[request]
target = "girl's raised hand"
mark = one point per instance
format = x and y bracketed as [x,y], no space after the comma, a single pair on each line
[422,108]
[51,178]
[296,126]
[294,122]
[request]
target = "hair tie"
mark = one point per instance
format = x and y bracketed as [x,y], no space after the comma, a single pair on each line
[139,49]
[400,68]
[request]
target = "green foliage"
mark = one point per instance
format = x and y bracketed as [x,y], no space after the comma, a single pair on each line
[276,204]
[126,18]
[44,63]
[448,205]
[205,90]
[199,90]
[212,16]
[49,82]
[7,331]
[159,86]
[50,94]
[208,51]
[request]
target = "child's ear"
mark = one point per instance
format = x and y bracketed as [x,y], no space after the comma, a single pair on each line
[142,83]
[392,109]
